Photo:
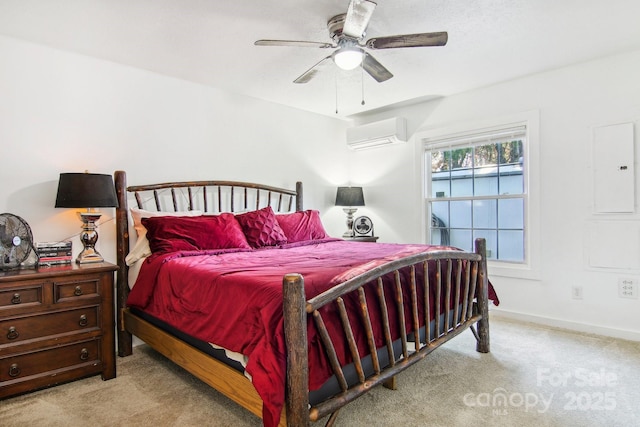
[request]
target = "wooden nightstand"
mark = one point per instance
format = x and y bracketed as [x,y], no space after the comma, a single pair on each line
[56,325]
[362,238]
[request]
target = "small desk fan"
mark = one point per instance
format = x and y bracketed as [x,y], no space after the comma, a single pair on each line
[16,241]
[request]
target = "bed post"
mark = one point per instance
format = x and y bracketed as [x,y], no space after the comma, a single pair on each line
[295,331]
[122,245]
[299,198]
[483,298]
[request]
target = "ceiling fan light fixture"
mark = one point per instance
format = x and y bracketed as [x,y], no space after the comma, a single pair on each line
[348,58]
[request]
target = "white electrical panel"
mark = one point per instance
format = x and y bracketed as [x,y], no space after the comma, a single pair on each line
[613,169]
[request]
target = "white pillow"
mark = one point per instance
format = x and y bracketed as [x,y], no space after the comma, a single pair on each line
[141,248]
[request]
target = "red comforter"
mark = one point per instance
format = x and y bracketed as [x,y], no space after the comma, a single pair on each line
[234,299]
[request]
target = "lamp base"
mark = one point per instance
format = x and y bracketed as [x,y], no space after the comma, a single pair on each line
[349,233]
[89,237]
[87,257]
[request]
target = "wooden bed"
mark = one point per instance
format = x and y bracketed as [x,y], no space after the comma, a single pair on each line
[470,288]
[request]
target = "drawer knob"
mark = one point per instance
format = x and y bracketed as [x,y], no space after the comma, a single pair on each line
[78,291]
[83,320]
[13,333]
[84,354]
[16,299]
[14,370]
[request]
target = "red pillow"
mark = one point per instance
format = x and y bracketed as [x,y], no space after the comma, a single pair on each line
[304,225]
[182,233]
[261,228]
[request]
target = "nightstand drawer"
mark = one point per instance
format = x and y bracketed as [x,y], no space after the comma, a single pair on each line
[21,296]
[48,360]
[42,326]
[70,291]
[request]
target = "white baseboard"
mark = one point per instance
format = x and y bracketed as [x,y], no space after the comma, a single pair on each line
[566,324]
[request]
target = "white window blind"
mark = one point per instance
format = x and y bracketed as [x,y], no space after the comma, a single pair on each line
[478,138]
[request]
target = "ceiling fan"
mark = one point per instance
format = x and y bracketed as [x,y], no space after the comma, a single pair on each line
[347,31]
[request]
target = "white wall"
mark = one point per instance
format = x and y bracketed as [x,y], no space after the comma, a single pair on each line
[571,102]
[63,112]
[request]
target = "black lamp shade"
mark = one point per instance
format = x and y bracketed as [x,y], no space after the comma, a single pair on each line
[86,190]
[349,196]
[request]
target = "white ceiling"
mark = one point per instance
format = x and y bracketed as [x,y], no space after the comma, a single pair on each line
[211,42]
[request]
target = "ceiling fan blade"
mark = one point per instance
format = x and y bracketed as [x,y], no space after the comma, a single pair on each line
[311,72]
[375,69]
[358,17]
[408,40]
[295,43]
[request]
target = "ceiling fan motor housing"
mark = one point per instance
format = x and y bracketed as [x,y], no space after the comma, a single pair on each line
[335,26]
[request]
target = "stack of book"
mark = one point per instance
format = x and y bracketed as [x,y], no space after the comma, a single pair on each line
[54,253]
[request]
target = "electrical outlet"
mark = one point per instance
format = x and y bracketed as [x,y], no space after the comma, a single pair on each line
[628,287]
[576,292]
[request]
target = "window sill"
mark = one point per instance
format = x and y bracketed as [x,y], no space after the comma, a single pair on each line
[516,271]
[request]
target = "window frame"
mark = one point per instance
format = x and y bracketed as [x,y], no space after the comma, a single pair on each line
[428,139]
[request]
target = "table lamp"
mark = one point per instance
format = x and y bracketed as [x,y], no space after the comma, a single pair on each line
[87,190]
[349,197]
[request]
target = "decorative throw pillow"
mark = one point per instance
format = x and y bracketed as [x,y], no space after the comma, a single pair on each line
[303,225]
[141,248]
[261,228]
[194,233]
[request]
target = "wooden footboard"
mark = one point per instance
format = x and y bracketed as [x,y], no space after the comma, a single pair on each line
[460,277]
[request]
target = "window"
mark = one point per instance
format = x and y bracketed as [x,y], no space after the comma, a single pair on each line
[476,187]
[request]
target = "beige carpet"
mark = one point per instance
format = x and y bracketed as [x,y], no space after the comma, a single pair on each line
[534,376]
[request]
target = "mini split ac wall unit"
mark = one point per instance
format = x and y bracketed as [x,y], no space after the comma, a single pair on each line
[376,134]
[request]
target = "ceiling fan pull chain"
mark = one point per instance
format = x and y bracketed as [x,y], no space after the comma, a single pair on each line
[335,75]
[362,80]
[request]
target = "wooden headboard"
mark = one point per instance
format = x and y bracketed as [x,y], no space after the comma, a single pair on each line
[211,197]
